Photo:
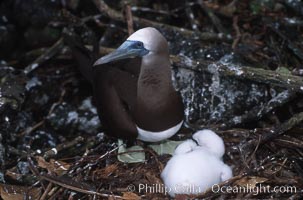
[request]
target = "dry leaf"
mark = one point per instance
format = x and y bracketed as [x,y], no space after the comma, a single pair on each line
[153,179]
[107,171]
[41,162]
[16,192]
[13,174]
[250,181]
[58,167]
[130,196]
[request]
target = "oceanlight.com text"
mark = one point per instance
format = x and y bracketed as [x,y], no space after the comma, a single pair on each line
[255,190]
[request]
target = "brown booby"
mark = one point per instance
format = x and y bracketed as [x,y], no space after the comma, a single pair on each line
[137,99]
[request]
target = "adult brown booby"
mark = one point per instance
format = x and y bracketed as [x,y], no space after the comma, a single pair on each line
[137,99]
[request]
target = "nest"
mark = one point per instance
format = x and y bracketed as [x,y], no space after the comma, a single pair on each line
[237,65]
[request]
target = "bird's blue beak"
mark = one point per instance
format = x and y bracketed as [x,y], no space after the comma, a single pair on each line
[129,49]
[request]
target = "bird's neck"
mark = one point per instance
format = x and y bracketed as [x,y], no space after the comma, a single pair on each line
[158,106]
[155,75]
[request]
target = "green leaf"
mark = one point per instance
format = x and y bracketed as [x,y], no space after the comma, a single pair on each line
[283,70]
[133,154]
[165,147]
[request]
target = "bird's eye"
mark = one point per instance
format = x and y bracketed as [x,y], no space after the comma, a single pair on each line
[139,44]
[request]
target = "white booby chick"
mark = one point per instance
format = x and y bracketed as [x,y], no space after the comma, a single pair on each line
[196,167]
[210,140]
[185,147]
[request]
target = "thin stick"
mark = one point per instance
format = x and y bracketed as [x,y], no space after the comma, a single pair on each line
[51,52]
[215,20]
[191,17]
[79,188]
[238,33]
[129,19]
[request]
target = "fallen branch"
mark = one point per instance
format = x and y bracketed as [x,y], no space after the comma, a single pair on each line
[280,129]
[270,134]
[52,51]
[273,78]
[260,110]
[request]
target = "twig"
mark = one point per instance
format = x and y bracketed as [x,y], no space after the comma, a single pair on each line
[36,126]
[254,152]
[289,142]
[215,20]
[181,8]
[238,33]
[190,15]
[160,165]
[129,19]
[291,46]
[52,51]
[91,164]
[146,9]
[56,194]
[108,152]
[14,151]
[54,151]
[80,187]
[32,128]
[47,190]
[280,129]
[51,110]
[103,8]
[34,169]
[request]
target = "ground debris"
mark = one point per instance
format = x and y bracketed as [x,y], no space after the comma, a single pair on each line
[237,64]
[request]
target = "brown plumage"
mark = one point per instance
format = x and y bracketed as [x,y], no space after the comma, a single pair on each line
[135,96]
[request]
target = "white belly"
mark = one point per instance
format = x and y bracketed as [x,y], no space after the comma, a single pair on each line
[149,136]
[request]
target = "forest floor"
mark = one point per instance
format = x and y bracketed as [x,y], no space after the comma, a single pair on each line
[237,64]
